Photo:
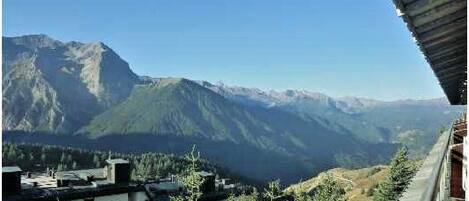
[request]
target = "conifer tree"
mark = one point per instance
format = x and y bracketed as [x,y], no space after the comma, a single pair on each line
[11,154]
[193,181]
[62,157]
[43,158]
[176,198]
[301,196]
[255,194]
[74,165]
[273,190]
[329,190]
[96,161]
[401,172]
[231,197]
[21,157]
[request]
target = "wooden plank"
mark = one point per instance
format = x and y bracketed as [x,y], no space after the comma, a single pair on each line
[448,30]
[422,6]
[409,1]
[453,95]
[441,21]
[452,75]
[450,64]
[437,13]
[456,190]
[450,61]
[444,40]
[448,56]
[454,42]
[455,80]
[460,67]
[450,83]
[444,51]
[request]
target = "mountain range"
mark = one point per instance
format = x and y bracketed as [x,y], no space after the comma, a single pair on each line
[413,123]
[54,92]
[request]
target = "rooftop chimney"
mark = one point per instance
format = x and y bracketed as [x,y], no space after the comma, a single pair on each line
[118,171]
[11,178]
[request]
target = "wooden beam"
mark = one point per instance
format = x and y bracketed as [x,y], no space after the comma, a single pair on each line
[449,65]
[448,56]
[443,43]
[442,21]
[458,78]
[444,31]
[423,6]
[435,12]
[406,2]
[452,75]
[455,42]
[444,51]
[440,63]
[460,67]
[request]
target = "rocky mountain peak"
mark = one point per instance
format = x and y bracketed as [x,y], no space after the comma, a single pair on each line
[35,41]
[84,78]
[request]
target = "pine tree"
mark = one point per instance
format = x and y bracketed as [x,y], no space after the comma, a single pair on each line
[96,161]
[193,181]
[176,198]
[401,172]
[273,190]
[74,165]
[21,157]
[60,167]
[231,197]
[301,196]
[329,190]
[62,158]
[255,194]
[69,158]
[12,154]
[43,158]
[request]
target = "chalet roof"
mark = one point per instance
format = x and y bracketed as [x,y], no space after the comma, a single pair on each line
[41,187]
[117,161]
[38,182]
[8,169]
[72,193]
[205,174]
[82,174]
[439,28]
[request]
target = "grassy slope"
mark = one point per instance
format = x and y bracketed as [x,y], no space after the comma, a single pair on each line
[356,182]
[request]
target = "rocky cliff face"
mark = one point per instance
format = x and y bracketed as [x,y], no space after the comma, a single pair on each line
[59,86]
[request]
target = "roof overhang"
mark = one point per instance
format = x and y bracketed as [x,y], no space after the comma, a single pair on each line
[440,30]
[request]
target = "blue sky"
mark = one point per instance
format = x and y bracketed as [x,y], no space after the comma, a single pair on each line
[341,48]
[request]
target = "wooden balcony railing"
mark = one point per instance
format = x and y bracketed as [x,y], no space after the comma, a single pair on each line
[442,174]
